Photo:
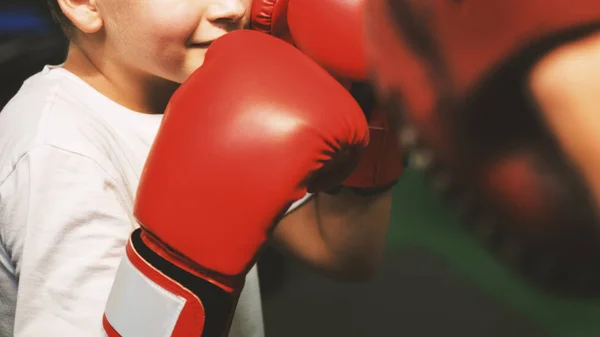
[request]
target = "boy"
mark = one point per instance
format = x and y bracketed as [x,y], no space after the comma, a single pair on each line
[73,143]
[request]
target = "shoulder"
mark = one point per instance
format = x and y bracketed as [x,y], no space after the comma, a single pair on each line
[50,110]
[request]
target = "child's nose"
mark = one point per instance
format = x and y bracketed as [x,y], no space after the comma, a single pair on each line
[226,11]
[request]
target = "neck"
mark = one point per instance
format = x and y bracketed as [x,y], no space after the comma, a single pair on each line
[130,88]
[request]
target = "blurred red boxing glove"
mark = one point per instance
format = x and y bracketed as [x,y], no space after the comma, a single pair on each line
[471,78]
[239,143]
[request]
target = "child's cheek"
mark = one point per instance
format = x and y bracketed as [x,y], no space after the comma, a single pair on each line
[173,20]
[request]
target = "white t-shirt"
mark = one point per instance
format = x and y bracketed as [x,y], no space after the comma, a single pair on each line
[70,163]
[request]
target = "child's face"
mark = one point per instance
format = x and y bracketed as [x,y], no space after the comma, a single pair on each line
[167,38]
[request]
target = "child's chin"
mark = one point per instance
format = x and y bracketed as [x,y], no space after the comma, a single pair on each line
[192,64]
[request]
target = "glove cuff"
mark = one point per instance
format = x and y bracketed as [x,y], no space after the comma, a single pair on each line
[152,296]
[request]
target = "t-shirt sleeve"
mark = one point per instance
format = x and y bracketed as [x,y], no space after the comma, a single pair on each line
[299,203]
[69,224]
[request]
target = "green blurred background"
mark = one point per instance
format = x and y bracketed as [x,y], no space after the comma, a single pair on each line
[436,280]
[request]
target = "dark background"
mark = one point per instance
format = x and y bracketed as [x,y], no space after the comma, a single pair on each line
[435,280]
[28,40]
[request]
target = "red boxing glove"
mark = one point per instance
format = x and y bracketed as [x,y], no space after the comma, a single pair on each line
[382,162]
[271,17]
[328,31]
[462,74]
[239,143]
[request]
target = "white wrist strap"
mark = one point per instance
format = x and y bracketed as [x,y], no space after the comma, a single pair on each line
[145,302]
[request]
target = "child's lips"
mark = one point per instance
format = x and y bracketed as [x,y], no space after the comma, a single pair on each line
[205,44]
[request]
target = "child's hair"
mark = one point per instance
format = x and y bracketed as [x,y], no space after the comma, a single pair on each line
[57,14]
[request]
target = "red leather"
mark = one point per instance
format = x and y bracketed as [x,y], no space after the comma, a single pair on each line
[270,16]
[381,164]
[329,31]
[240,141]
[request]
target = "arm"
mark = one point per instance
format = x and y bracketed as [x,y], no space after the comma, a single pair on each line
[565,86]
[64,225]
[341,235]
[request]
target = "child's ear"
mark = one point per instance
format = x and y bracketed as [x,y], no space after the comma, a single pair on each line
[83,13]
